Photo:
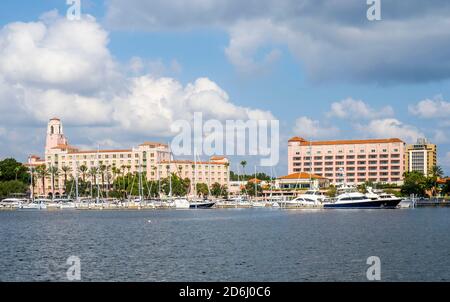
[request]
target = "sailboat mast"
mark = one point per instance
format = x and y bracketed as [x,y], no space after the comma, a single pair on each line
[76,182]
[170,175]
[32,186]
[96,176]
[256,191]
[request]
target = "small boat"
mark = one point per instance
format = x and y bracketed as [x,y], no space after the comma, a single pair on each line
[34,205]
[259,204]
[201,204]
[13,203]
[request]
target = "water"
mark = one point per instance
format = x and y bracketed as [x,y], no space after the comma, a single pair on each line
[226,245]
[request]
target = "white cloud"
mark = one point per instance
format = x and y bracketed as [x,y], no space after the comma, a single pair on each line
[390,128]
[332,39]
[309,128]
[56,67]
[357,109]
[56,53]
[431,108]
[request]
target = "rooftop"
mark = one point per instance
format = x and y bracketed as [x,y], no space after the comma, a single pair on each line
[301,175]
[304,142]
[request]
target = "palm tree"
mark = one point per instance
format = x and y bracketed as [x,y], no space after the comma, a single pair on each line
[17,170]
[436,171]
[93,174]
[102,171]
[243,164]
[42,173]
[54,172]
[66,170]
[83,170]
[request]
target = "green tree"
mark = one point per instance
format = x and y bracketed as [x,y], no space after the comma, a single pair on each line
[10,169]
[414,183]
[12,186]
[218,190]
[250,189]
[42,173]
[243,164]
[66,170]
[83,170]
[202,189]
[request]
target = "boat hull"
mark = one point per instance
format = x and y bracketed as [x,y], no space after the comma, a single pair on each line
[203,205]
[373,204]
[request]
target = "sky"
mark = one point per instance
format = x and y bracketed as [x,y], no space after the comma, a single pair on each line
[127,70]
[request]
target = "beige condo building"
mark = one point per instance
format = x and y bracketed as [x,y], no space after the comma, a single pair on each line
[421,156]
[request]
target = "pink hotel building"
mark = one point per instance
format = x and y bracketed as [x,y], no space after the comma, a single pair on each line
[355,161]
[150,158]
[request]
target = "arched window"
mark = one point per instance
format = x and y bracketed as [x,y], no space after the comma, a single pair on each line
[52,130]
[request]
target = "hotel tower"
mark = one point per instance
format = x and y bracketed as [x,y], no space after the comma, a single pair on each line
[352,161]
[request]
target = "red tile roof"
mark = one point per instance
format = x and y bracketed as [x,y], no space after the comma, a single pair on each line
[301,175]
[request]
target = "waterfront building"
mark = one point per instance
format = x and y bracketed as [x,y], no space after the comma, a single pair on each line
[301,180]
[352,161]
[420,157]
[149,158]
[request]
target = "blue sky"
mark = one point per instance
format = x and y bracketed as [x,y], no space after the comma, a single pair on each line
[323,53]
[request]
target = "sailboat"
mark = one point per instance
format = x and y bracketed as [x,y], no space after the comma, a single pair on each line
[256,203]
[198,203]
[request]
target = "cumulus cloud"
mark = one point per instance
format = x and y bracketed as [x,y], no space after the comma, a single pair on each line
[390,127]
[332,40]
[56,53]
[357,109]
[309,128]
[431,108]
[55,67]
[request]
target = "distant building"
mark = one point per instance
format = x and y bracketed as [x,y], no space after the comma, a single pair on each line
[301,180]
[352,161]
[151,158]
[421,156]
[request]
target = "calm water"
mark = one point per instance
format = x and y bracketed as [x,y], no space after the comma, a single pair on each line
[226,245]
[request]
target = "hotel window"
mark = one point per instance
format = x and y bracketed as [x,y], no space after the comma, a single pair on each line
[361,151]
[372,156]
[361,162]
[341,151]
[372,162]
[340,157]
[384,162]
[339,163]
[92,163]
[318,163]
[350,163]
[329,152]
[373,150]
[361,168]
[384,150]
[306,158]
[317,157]
[114,156]
[121,155]
[135,155]
[395,150]
[350,156]
[350,168]
[361,156]
[350,151]
[328,157]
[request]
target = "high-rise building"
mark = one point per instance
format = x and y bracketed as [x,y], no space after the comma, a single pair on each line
[421,156]
[352,161]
